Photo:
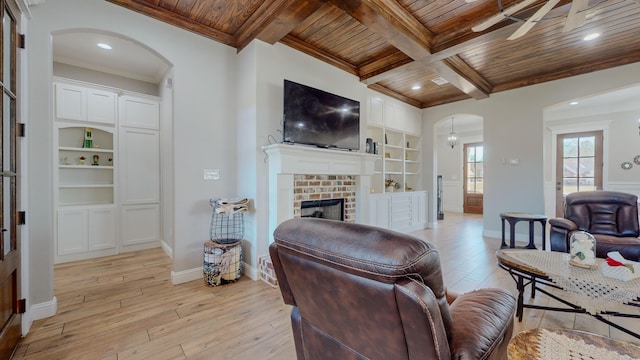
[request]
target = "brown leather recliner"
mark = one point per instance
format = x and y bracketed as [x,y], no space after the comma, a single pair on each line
[360,292]
[610,216]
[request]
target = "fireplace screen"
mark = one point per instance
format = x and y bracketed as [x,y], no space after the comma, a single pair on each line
[332,209]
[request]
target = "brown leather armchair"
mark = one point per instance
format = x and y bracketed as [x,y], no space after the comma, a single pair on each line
[360,292]
[610,216]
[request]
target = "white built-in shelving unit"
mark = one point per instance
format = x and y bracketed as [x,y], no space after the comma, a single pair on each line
[396,129]
[90,178]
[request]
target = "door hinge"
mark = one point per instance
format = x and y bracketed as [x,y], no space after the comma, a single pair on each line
[22,41]
[22,217]
[21,130]
[21,306]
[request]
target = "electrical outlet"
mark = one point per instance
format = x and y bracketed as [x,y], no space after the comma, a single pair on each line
[211,174]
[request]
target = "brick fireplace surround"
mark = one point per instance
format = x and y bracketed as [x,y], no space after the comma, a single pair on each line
[321,187]
[298,173]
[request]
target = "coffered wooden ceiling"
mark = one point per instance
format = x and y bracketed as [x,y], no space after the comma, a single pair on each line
[393,45]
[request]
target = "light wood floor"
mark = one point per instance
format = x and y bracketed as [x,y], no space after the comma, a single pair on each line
[125,307]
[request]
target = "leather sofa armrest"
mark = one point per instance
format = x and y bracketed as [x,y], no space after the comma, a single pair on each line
[559,233]
[482,324]
[563,223]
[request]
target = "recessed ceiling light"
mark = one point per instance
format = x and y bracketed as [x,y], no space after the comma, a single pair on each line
[591,36]
[416,87]
[104,46]
[574,103]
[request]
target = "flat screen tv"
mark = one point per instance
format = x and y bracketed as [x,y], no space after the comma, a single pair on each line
[316,117]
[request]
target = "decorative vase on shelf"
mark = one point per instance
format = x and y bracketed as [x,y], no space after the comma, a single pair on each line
[582,250]
[389,189]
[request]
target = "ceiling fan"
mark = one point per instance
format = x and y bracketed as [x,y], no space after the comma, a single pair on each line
[575,18]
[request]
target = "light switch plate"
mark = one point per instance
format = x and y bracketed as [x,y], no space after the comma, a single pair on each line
[211,174]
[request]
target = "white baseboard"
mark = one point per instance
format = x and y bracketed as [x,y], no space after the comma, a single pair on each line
[181,277]
[250,271]
[37,312]
[167,249]
[184,276]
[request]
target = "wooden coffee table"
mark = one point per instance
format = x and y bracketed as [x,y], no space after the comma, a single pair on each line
[538,344]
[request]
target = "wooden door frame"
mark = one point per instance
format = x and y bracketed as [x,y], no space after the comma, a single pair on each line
[11,259]
[598,162]
[465,206]
[550,165]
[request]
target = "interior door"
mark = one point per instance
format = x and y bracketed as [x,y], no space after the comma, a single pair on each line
[578,165]
[473,193]
[10,317]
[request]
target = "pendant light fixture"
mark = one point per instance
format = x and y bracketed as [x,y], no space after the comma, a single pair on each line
[452,140]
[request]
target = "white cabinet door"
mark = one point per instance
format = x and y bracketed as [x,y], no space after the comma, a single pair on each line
[139,112]
[101,231]
[379,210]
[71,102]
[82,229]
[418,210]
[376,111]
[414,122]
[101,106]
[400,212]
[140,224]
[139,166]
[390,116]
[72,231]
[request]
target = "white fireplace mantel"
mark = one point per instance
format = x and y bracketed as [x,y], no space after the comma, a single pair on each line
[286,160]
[297,159]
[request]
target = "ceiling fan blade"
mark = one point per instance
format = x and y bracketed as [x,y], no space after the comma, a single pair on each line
[502,15]
[533,19]
[577,15]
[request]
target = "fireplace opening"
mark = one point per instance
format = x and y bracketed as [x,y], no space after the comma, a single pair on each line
[332,209]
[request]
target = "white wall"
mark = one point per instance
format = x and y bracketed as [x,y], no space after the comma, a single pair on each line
[203,114]
[513,129]
[248,151]
[97,77]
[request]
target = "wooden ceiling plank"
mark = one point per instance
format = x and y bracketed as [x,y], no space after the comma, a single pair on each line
[385,17]
[391,21]
[383,65]
[374,76]
[383,90]
[258,21]
[288,19]
[163,15]
[461,82]
[463,69]
[302,46]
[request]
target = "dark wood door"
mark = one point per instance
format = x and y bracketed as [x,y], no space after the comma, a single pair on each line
[473,178]
[10,308]
[578,165]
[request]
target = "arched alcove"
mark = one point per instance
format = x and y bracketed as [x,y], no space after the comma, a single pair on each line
[449,160]
[127,67]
